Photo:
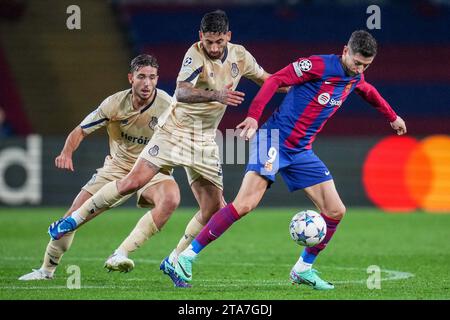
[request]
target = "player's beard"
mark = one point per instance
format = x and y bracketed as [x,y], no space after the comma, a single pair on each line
[346,69]
[140,95]
[213,57]
[218,56]
[351,73]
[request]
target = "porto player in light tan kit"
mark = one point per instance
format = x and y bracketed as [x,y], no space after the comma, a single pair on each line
[210,72]
[130,116]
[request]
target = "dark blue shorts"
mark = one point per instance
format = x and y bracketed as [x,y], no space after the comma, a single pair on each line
[299,170]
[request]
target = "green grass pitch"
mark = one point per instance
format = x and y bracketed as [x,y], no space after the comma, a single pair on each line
[251,261]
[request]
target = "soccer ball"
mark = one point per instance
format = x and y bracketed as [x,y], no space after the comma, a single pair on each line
[307,228]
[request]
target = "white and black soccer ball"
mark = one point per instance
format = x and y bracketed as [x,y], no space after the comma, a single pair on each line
[307,228]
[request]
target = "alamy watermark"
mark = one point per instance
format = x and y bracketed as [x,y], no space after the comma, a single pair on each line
[213,148]
[374,279]
[374,20]
[73,21]
[74,278]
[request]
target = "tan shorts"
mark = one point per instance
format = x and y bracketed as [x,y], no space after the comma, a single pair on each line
[110,172]
[199,159]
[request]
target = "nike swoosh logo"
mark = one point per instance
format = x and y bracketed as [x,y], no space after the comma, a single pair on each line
[212,234]
[327,82]
[327,173]
[184,271]
[313,283]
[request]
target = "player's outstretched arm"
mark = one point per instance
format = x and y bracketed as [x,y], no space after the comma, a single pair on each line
[265,76]
[64,160]
[249,127]
[187,93]
[372,96]
[399,126]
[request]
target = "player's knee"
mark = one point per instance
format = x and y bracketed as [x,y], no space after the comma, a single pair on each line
[342,211]
[128,185]
[207,210]
[244,207]
[170,202]
[337,212]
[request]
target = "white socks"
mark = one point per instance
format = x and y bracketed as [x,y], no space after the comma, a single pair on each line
[77,217]
[173,257]
[121,252]
[189,251]
[302,266]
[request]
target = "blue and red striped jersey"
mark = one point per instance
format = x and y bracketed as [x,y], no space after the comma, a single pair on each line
[319,88]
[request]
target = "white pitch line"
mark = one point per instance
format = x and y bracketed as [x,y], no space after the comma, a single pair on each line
[72,259]
[63,287]
[391,275]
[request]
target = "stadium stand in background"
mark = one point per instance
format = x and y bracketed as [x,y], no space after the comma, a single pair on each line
[13,118]
[408,70]
[53,76]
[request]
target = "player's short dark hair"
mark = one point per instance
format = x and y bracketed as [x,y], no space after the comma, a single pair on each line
[363,42]
[215,22]
[143,60]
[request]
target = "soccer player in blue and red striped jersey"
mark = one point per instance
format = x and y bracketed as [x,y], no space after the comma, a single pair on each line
[320,84]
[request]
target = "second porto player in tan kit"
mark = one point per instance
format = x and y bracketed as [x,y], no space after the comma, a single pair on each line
[130,117]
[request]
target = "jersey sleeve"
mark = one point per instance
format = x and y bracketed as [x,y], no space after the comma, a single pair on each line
[298,72]
[98,118]
[372,96]
[191,67]
[252,70]
[165,107]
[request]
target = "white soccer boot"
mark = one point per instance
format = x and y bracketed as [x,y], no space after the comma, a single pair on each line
[118,262]
[37,274]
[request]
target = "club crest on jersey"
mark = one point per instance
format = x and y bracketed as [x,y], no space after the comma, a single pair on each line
[187,61]
[153,151]
[153,123]
[234,70]
[323,98]
[347,87]
[268,166]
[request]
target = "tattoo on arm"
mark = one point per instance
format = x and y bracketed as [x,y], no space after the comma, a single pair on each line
[188,94]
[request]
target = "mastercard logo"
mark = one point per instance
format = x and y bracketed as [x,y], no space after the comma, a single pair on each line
[402,174]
